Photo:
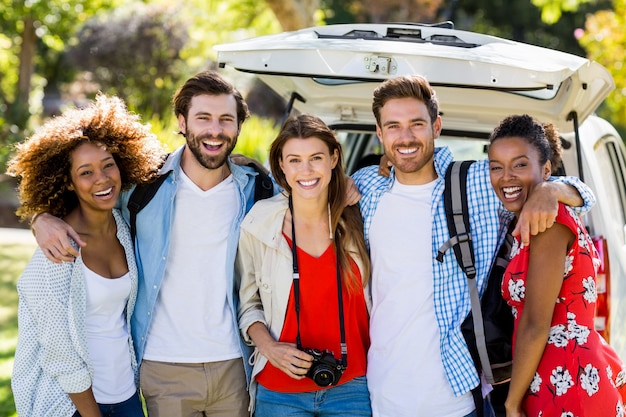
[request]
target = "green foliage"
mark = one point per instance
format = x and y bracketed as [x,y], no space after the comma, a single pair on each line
[552,10]
[13,259]
[166,130]
[134,53]
[55,23]
[521,21]
[604,39]
[211,22]
[256,137]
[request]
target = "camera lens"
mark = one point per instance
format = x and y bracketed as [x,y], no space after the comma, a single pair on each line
[323,376]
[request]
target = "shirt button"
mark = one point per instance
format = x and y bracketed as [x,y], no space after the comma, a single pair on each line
[154,287]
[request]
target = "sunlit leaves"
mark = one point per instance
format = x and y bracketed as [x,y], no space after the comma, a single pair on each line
[604,39]
[551,10]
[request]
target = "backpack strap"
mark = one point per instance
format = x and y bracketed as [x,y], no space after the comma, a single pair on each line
[457,216]
[141,196]
[263,185]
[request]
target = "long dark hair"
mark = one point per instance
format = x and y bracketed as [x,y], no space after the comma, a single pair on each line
[350,228]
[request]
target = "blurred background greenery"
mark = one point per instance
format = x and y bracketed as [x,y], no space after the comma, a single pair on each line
[59,53]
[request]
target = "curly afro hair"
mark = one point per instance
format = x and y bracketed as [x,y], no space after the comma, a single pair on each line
[42,162]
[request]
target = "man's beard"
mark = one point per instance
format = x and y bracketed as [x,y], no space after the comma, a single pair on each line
[197,149]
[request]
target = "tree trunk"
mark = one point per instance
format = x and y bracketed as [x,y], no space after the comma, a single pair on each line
[294,14]
[20,111]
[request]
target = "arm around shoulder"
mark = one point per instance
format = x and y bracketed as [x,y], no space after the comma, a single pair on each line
[573,192]
[541,208]
[53,237]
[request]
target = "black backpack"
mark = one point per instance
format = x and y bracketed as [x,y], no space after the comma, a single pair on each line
[488,329]
[142,194]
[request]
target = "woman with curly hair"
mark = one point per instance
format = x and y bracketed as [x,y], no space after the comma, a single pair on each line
[561,365]
[74,354]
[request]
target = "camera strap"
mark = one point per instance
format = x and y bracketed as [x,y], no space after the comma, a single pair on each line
[296,291]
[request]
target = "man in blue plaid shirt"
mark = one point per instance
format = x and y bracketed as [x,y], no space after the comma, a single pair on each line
[418,362]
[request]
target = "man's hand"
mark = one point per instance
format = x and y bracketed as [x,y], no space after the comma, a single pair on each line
[384,167]
[353,196]
[539,211]
[53,237]
[242,160]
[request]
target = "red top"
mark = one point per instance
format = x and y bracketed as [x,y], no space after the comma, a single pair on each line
[319,322]
[578,372]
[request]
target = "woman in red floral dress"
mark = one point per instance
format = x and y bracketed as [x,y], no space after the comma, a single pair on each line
[562,367]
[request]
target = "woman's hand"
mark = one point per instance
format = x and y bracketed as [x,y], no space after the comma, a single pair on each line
[284,356]
[289,359]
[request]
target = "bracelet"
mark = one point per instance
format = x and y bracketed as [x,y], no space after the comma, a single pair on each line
[32,221]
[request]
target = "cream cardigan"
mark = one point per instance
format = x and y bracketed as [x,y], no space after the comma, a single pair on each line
[264,274]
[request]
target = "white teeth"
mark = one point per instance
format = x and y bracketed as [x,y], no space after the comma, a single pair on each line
[212,142]
[308,183]
[103,193]
[511,192]
[406,151]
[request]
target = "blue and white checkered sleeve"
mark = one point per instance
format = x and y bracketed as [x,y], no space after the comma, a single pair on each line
[585,192]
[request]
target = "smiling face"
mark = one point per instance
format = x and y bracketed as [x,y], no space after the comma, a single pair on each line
[94,177]
[307,165]
[515,169]
[408,137]
[211,128]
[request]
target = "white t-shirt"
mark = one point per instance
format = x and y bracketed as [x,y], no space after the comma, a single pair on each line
[405,374]
[107,337]
[192,321]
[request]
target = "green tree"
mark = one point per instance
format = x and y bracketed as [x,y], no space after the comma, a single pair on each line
[604,38]
[134,52]
[552,10]
[34,34]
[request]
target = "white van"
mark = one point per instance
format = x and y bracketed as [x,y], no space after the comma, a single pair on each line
[331,71]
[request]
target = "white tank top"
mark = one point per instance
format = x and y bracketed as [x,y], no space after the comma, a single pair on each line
[107,337]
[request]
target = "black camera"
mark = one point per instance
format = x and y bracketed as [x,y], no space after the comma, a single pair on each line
[325,369]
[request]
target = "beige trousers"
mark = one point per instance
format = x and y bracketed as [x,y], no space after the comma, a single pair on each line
[195,389]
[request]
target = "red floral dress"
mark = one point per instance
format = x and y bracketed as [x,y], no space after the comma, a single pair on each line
[579,374]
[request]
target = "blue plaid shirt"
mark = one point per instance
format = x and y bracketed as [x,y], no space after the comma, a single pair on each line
[488,223]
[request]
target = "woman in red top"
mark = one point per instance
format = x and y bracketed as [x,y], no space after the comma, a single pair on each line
[562,366]
[303,266]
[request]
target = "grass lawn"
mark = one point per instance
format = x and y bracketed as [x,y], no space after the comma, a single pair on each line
[13,259]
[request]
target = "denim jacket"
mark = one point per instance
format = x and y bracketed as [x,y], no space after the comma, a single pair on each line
[152,242]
